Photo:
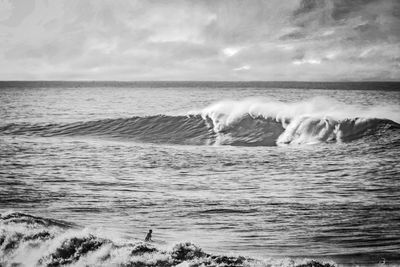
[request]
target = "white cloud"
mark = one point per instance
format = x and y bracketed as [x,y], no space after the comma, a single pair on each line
[332,54]
[231,51]
[242,68]
[312,61]
[287,47]
[328,32]
[366,51]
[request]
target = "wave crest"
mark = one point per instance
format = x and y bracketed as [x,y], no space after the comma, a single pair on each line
[238,123]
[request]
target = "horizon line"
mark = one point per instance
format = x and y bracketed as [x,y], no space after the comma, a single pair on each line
[213,81]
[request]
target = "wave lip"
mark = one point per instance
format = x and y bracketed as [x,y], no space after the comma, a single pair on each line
[48,244]
[240,123]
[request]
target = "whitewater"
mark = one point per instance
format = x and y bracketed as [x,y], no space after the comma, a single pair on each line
[251,122]
[225,174]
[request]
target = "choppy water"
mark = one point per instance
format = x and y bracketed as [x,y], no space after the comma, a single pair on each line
[264,175]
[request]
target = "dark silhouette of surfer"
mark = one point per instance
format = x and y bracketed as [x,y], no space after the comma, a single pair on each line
[148,236]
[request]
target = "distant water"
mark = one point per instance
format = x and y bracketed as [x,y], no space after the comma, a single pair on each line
[228,174]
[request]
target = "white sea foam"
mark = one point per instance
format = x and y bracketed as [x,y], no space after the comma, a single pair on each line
[230,110]
[25,241]
[314,120]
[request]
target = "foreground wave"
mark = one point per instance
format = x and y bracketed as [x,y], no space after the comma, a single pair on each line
[27,240]
[240,123]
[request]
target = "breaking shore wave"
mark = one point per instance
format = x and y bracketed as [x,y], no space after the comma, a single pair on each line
[236,123]
[27,240]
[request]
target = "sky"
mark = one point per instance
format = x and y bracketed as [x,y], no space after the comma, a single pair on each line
[221,40]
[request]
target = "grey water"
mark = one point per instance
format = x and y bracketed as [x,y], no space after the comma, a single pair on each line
[122,159]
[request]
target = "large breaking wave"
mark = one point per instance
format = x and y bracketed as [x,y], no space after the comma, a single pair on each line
[251,122]
[27,240]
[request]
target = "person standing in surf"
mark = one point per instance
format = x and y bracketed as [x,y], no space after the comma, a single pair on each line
[148,236]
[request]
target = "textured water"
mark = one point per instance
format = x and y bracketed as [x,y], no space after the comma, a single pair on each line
[265,174]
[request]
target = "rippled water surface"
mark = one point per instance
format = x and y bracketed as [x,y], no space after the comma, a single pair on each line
[91,156]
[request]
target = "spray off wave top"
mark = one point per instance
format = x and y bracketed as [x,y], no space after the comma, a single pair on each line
[250,122]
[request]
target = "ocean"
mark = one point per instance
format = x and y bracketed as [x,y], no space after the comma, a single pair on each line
[224,173]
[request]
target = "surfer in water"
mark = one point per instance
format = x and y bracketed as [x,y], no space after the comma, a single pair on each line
[148,236]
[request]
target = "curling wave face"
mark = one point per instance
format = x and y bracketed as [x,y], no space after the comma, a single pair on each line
[27,240]
[251,122]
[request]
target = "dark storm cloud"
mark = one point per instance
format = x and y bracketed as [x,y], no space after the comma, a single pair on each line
[307,6]
[338,9]
[296,34]
[364,19]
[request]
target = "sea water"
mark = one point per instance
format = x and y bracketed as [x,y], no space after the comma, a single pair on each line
[230,174]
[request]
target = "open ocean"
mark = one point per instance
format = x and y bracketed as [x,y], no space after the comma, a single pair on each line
[225,174]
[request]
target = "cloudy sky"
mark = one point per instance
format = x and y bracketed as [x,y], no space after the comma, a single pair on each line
[313,40]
